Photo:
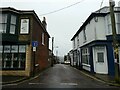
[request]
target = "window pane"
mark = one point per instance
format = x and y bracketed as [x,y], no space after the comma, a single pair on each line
[2,28]
[1,49]
[15,56]
[0,56]
[12,29]
[15,64]
[14,49]
[7,56]
[43,38]
[3,18]
[22,58]
[0,64]
[0,18]
[7,49]
[22,48]
[118,28]
[13,19]
[22,64]
[8,64]
[100,57]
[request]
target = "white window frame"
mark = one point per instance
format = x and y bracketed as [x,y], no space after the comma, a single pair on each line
[84,54]
[24,28]
[13,24]
[43,38]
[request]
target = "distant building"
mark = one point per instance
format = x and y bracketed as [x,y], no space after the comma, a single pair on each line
[20,31]
[93,42]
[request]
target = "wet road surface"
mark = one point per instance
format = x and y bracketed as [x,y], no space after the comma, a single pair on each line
[60,76]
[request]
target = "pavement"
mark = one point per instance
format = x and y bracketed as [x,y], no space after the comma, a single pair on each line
[12,79]
[102,78]
[99,77]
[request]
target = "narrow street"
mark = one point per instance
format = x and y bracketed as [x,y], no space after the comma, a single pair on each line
[60,76]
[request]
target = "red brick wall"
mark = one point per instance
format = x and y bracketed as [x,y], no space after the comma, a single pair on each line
[42,53]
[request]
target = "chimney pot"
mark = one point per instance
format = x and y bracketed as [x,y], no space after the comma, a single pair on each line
[44,22]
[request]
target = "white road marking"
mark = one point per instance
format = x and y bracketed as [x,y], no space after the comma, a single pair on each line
[72,84]
[35,83]
[9,84]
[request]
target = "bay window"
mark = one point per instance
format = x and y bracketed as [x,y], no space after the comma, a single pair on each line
[3,23]
[14,56]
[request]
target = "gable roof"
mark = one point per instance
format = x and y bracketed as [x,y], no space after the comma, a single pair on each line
[99,13]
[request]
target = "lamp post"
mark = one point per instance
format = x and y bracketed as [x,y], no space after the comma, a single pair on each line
[56,53]
[115,42]
[52,61]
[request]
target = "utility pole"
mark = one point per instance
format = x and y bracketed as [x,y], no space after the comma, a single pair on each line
[52,51]
[115,42]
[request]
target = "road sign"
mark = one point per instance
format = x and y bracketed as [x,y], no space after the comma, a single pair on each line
[34,43]
[34,49]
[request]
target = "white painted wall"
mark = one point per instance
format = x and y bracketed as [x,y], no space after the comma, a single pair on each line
[94,31]
[75,45]
[98,30]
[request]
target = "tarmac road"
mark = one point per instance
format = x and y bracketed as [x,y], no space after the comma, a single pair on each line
[60,76]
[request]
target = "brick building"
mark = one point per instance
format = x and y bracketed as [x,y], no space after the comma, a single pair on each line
[19,29]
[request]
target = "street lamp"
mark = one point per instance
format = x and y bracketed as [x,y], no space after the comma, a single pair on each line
[52,61]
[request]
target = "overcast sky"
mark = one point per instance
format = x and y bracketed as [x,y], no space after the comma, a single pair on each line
[61,25]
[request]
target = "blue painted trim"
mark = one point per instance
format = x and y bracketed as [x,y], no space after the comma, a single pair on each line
[110,37]
[110,57]
[81,58]
[91,60]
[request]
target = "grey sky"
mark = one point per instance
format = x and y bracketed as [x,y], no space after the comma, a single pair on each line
[61,25]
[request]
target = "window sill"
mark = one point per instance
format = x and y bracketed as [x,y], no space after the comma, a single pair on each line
[85,64]
[43,44]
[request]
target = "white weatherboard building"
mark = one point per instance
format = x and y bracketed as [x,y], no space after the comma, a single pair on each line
[92,43]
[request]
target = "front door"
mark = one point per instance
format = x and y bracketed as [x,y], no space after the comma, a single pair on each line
[100,60]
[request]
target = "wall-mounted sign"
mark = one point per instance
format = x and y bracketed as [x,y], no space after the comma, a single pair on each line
[34,49]
[24,29]
[34,43]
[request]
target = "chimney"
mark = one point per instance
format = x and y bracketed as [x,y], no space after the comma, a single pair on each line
[44,23]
